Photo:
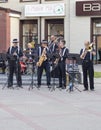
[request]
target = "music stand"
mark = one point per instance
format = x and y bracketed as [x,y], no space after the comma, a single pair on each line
[54,72]
[33,64]
[74,57]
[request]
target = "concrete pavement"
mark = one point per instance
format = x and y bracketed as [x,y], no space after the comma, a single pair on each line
[45,110]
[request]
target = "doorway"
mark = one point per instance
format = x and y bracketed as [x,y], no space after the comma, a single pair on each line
[96,34]
[28,32]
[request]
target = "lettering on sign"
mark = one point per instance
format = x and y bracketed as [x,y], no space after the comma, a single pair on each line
[92,7]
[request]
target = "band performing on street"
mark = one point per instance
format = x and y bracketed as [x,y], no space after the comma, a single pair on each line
[53,60]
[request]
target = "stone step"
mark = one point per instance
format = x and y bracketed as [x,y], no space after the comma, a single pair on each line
[26,79]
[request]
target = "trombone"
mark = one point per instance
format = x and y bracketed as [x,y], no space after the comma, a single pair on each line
[88,49]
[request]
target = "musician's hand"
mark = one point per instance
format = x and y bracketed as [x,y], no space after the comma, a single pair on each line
[93,53]
[37,64]
[15,54]
[83,54]
[54,62]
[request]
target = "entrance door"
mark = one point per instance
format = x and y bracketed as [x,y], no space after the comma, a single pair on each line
[99,47]
[28,32]
[96,34]
[54,27]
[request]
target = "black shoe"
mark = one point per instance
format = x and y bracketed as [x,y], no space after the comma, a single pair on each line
[59,86]
[85,89]
[38,86]
[64,87]
[49,86]
[92,89]
[17,87]
[20,86]
[10,87]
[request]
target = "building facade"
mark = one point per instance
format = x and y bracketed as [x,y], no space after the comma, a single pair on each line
[75,20]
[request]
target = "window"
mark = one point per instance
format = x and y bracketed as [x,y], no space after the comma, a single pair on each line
[28,0]
[53,0]
[54,27]
[29,33]
[3,1]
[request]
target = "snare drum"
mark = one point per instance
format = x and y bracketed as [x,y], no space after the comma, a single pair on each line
[23,67]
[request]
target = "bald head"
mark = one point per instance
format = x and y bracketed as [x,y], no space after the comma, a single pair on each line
[86,44]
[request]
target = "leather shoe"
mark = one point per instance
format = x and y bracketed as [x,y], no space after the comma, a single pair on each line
[49,86]
[92,89]
[38,86]
[85,89]
[64,87]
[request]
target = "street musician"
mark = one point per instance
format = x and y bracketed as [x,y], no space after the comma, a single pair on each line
[13,55]
[86,55]
[43,63]
[63,52]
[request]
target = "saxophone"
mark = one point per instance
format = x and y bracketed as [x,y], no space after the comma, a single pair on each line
[42,58]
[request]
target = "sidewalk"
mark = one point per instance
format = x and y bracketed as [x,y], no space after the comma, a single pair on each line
[45,110]
[97,68]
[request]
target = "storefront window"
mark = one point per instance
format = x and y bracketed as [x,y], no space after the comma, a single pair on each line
[3,1]
[53,0]
[97,36]
[28,0]
[30,34]
[97,28]
[54,27]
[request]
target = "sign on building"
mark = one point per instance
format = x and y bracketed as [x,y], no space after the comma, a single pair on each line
[45,10]
[88,8]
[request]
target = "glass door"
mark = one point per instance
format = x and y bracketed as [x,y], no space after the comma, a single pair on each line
[29,33]
[97,37]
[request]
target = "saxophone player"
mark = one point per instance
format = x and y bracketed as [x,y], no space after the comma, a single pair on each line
[43,63]
[87,65]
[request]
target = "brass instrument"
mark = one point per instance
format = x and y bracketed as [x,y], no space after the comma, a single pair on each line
[88,49]
[42,58]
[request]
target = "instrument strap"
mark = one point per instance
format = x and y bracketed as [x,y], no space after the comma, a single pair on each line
[64,52]
[53,48]
[39,51]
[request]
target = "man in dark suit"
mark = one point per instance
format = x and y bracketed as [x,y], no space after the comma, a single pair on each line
[63,52]
[43,50]
[87,65]
[13,54]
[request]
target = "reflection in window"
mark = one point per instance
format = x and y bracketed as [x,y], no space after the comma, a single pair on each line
[30,34]
[96,28]
[1,1]
[55,29]
[28,0]
[52,0]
